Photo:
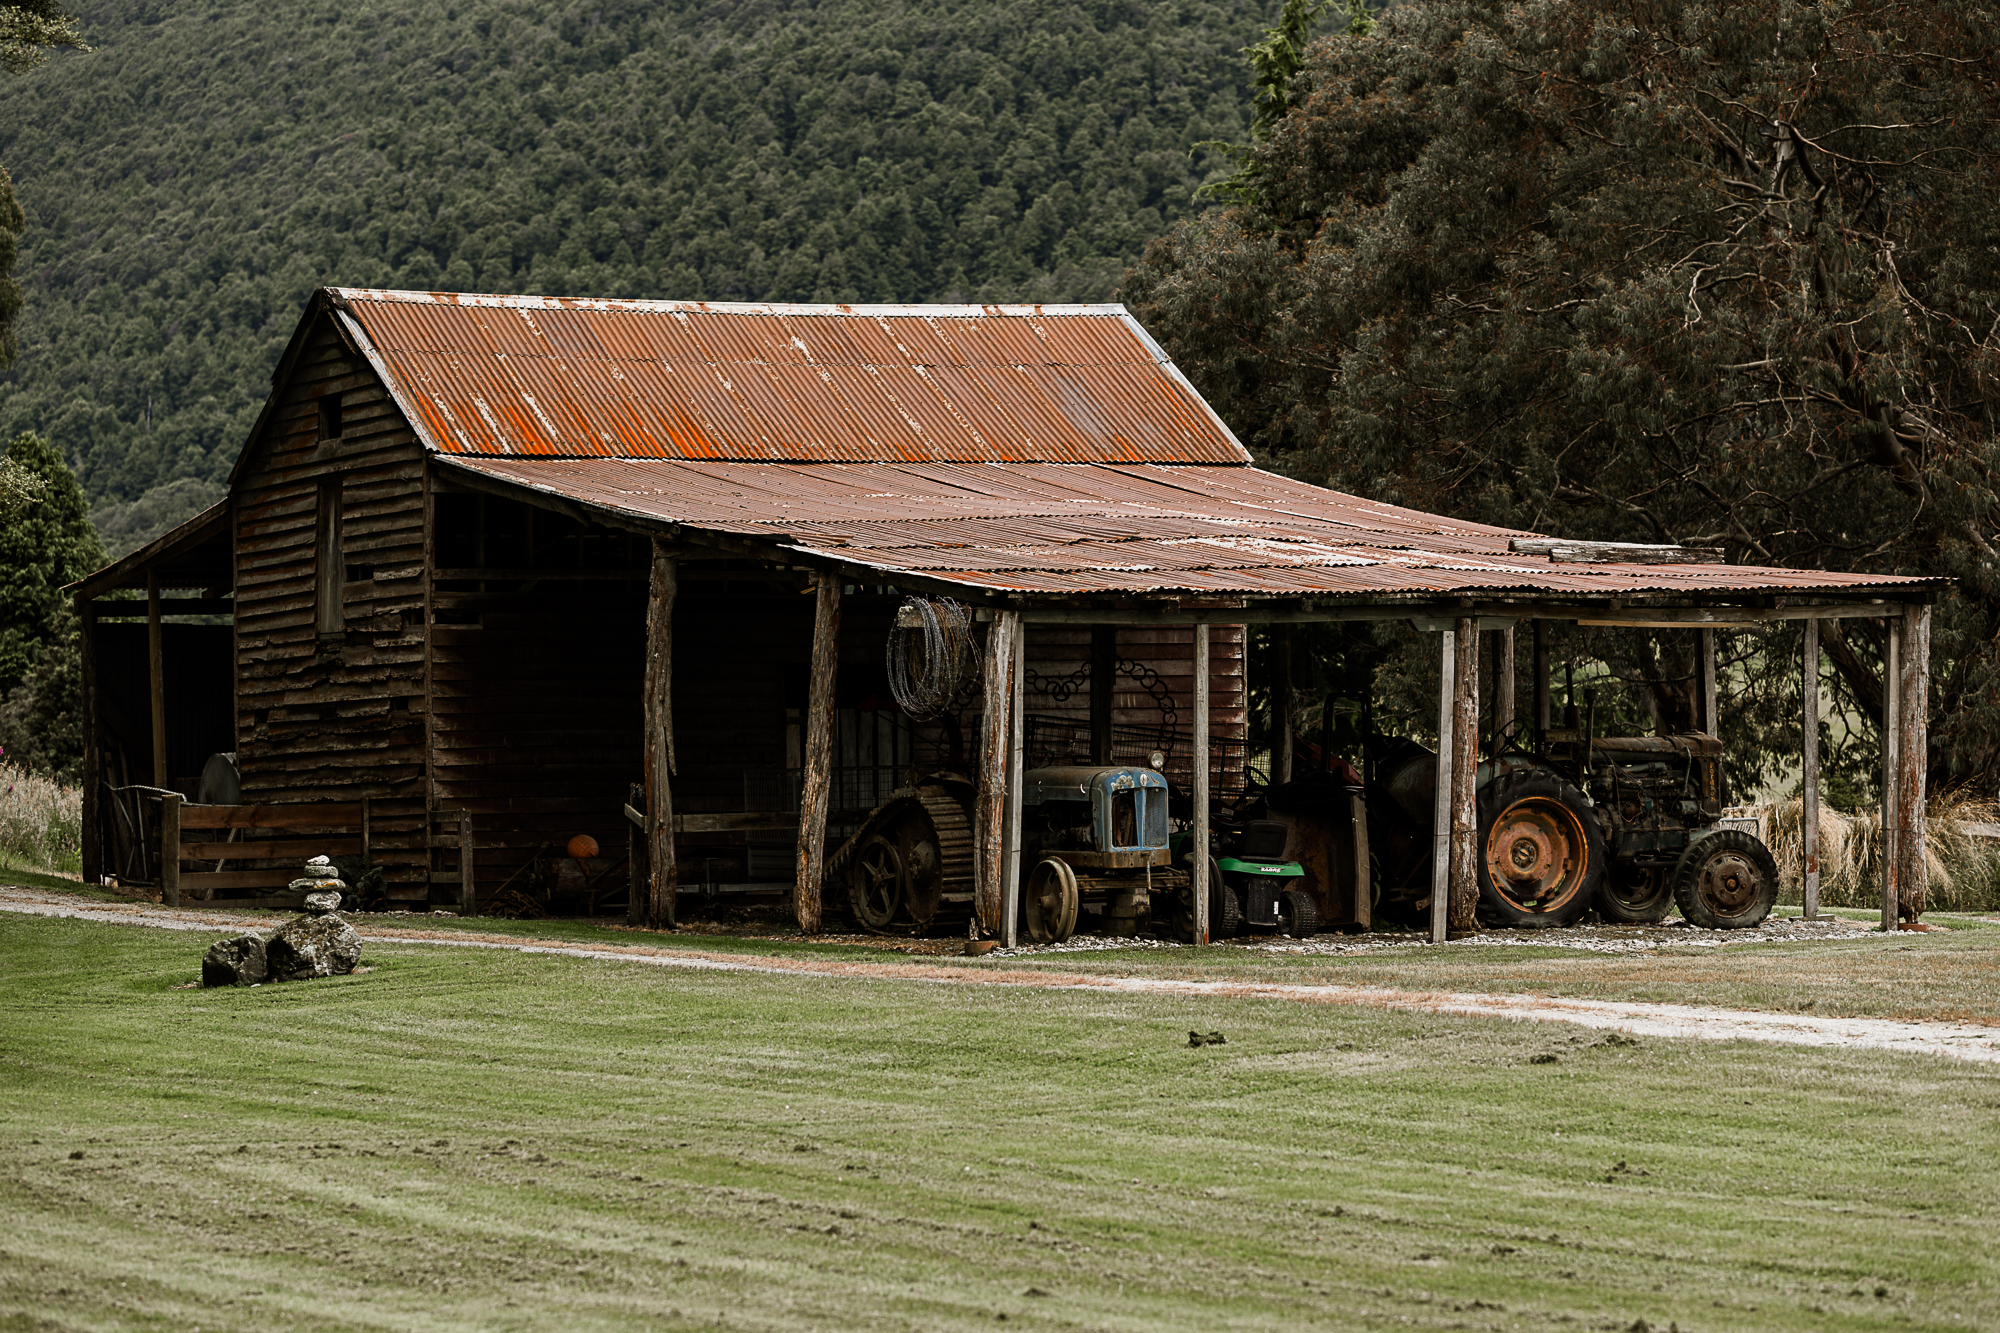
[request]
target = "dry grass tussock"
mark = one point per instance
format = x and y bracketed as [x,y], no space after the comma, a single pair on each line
[41,822]
[1964,867]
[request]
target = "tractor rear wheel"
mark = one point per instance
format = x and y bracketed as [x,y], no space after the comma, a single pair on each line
[1726,881]
[1636,895]
[1541,854]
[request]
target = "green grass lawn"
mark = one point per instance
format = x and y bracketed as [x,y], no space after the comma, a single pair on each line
[473,1140]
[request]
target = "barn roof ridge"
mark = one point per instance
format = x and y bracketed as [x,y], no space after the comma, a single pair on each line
[780,382]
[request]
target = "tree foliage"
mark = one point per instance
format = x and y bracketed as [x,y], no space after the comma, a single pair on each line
[46,544]
[191,183]
[1654,270]
[30,29]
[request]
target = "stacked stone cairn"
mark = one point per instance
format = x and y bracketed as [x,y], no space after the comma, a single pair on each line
[318,944]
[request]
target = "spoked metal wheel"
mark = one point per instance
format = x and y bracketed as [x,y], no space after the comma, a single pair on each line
[875,882]
[1050,902]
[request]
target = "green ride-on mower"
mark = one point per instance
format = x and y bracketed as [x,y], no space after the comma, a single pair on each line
[1252,888]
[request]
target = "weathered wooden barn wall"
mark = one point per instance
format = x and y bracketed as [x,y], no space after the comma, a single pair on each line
[1162,659]
[334,716]
[536,673]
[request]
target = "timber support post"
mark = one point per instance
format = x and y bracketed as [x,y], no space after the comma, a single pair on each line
[1503,687]
[1464,759]
[1441,806]
[1103,689]
[93,746]
[170,849]
[1010,874]
[817,784]
[468,878]
[1711,715]
[1200,859]
[1809,779]
[1541,684]
[996,713]
[156,678]
[636,846]
[662,880]
[1913,756]
[1892,805]
[1281,705]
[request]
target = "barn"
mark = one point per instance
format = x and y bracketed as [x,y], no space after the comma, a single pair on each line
[497,571]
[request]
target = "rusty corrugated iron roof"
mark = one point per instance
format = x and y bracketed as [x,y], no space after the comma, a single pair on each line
[530,376]
[1115,529]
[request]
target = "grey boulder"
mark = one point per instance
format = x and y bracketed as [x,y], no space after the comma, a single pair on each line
[237,962]
[312,946]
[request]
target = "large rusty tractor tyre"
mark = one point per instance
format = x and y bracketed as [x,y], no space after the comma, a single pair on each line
[1541,856]
[1300,914]
[1636,895]
[1726,881]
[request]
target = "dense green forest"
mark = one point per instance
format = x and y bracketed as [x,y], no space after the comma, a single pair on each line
[191,180]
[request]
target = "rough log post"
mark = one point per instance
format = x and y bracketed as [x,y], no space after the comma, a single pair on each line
[818,757]
[996,708]
[1809,758]
[1503,685]
[1541,670]
[1103,690]
[170,849]
[1464,779]
[663,881]
[157,678]
[1200,858]
[1281,705]
[1010,875]
[468,874]
[93,747]
[1913,754]
[1441,797]
[1892,732]
[1711,717]
[367,853]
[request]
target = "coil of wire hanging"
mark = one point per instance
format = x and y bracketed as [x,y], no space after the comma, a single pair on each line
[931,653]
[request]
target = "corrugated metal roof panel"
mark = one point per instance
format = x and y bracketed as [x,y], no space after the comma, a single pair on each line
[1082,529]
[1059,384]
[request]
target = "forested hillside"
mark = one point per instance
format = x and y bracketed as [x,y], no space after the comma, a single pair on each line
[189,182]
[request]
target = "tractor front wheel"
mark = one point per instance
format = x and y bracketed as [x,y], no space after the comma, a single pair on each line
[1726,881]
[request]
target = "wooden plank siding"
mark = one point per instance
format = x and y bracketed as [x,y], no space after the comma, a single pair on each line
[334,717]
[1055,654]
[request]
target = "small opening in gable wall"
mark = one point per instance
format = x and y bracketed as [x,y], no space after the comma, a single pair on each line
[329,416]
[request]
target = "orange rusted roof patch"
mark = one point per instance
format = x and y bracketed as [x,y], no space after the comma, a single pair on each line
[529,376]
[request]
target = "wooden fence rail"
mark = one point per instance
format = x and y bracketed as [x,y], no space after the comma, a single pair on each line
[176,818]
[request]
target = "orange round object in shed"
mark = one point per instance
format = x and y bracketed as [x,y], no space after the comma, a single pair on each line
[583,846]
